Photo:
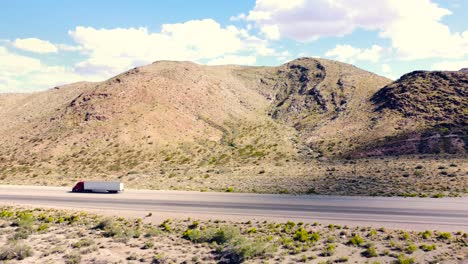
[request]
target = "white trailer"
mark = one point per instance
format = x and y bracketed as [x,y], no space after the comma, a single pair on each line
[98,186]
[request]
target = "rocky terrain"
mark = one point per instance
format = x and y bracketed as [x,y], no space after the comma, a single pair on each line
[293,126]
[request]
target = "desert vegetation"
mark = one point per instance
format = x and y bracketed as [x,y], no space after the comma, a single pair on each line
[59,236]
[420,176]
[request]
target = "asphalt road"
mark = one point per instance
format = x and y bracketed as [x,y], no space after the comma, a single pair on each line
[450,214]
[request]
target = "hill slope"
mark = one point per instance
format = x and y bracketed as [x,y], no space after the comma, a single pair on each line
[170,116]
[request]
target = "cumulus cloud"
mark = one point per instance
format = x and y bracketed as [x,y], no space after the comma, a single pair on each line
[415,27]
[450,65]
[348,53]
[106,52]
[271,31]
[35,45]
[118,49]
[386,68]
[20,73]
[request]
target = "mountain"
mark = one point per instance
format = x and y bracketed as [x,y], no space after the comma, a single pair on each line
[176,114]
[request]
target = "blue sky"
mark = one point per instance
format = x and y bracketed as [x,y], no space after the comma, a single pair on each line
[48,43]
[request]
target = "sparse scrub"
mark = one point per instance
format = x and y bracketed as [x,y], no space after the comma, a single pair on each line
[356,241]
[15,250]
[444,236]
[402,259]
[427,248]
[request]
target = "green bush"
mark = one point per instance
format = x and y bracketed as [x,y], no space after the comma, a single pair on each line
[427,248]
[106,223]
[402,259]
[370,252]
[301,235]
[356,241]
[225,234]
[73,258]
[84,242]
[22,233]
[329,250]
[15,250]
[148,245]
[241,249]
[42,227]
[444,236]
[426,234]
[411,248]
[151,232]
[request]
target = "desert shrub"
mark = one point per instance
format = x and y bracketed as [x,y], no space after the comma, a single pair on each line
[444,235]
[288,226]
[402,259]
[151,232]
[411,248]
[194,225]
[370,252]
[329,250]
[225,234]
[426,234]
[241,249]
[6,214]
[438,195]
[112,231]
[22,233]
[301,235]
[24,219]
[165,226]
[73,258]
[405,236]
[199,236]
[427,248]
[105,223]
[148,245]
[252,230]
[342,259]
[84,242]
[42,227]
[356,241]
[15,250]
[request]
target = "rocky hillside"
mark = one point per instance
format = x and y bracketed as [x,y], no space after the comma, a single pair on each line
[429,109]
[176,114]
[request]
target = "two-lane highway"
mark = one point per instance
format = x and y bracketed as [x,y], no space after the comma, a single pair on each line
[449,214]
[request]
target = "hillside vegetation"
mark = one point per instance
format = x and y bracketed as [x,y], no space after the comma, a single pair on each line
[180,120]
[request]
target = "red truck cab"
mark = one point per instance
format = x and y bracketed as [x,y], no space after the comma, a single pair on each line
[79,187]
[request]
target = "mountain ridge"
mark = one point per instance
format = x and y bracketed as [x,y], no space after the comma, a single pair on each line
[169,114]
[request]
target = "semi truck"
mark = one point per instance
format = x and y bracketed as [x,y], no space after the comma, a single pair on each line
[98,186]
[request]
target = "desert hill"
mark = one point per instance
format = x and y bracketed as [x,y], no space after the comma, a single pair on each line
[181,114]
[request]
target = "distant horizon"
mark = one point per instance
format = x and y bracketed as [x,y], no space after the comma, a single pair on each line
[45,44]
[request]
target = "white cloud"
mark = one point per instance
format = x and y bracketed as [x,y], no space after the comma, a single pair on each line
[35,45]
[233,59]
[415,27]
[106,52]
[450,65]
[66,47]
[271,32]
[20,73]
[348,53]
[386,68]
[114,50]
